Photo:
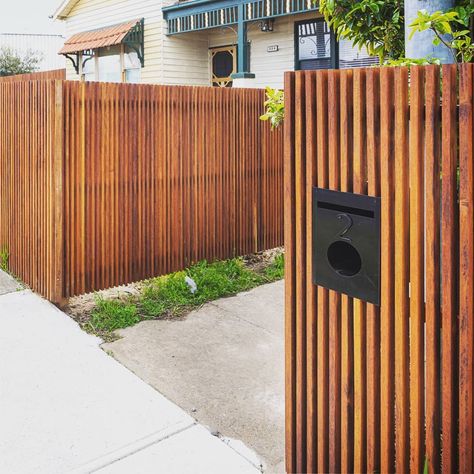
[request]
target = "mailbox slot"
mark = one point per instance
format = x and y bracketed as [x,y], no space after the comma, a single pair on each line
[346,209]
[346,243]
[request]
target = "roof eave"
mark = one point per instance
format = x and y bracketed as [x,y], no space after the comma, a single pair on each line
[63,10]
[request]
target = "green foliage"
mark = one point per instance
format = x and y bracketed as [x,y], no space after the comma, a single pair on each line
[377,25]
[450,28]
[109,315]
[274,107]
[170,295]
[13,62]
[276,270]
[411,62]
[4,258]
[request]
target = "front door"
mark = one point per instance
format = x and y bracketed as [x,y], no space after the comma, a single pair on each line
[223,65]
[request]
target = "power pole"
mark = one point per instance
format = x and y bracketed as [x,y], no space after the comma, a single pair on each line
[421,45]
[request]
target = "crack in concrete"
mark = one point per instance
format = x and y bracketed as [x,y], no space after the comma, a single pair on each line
[243,320]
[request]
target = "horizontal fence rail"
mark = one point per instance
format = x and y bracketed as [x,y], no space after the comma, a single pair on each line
[107,184]
[389,388]
[36,76]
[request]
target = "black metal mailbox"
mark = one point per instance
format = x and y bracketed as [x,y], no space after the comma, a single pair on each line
[346,243]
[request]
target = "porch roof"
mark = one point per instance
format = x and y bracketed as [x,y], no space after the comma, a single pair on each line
[88,40]
[197,15]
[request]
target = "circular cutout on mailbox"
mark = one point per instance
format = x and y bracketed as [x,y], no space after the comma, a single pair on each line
[344,258]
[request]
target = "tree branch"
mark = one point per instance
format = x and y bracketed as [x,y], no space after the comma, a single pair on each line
[451,49]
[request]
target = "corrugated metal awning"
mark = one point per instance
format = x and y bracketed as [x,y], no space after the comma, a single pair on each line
[109,36]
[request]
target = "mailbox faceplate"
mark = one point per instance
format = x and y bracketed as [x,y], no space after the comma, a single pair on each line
[346,243]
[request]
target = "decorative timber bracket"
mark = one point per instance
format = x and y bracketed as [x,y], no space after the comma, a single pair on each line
[135,40]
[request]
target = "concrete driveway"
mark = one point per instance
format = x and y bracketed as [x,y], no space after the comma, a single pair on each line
[66,406]
[223,364]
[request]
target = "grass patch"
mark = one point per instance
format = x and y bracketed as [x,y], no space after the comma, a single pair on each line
[170,295]
[110,315]
[276,270]
[4,257]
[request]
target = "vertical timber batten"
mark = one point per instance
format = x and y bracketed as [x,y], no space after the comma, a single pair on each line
[106,184]
[387,388]
[59,207]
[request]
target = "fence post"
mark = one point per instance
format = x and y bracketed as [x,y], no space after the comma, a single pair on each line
[58,290]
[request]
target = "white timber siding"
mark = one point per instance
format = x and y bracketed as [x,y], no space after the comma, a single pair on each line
[186,58]
[183,59]
[47,46]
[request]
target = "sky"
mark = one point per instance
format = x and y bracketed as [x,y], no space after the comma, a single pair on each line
[29,16]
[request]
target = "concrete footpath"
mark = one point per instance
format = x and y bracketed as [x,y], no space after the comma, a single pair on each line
[68,407]
[223,364]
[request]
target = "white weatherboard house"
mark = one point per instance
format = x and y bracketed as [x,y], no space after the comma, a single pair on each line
[225,43]
[44,44]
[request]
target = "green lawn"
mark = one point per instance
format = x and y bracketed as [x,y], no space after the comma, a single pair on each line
[170,296]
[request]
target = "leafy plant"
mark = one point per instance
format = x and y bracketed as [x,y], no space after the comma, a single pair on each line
[411,62]
[377,25]
[274,107]
[4,258]
[13,62]
[450,28]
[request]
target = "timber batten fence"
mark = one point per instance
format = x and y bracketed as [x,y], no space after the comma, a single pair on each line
[383,389]
[106,184]
[54,74]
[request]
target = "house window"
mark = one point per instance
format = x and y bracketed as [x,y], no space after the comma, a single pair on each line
[132,67]
[112,64]
[316,48]
[351,56]
[314,45]
[88,69]
[109,64]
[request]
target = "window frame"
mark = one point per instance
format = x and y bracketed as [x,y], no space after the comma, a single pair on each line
[334,50]
[95,59]
[335,62]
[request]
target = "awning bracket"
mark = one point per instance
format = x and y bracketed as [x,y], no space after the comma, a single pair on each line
[135,40]
[74,58]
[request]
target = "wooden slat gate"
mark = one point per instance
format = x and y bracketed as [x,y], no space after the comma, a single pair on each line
[389,388]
